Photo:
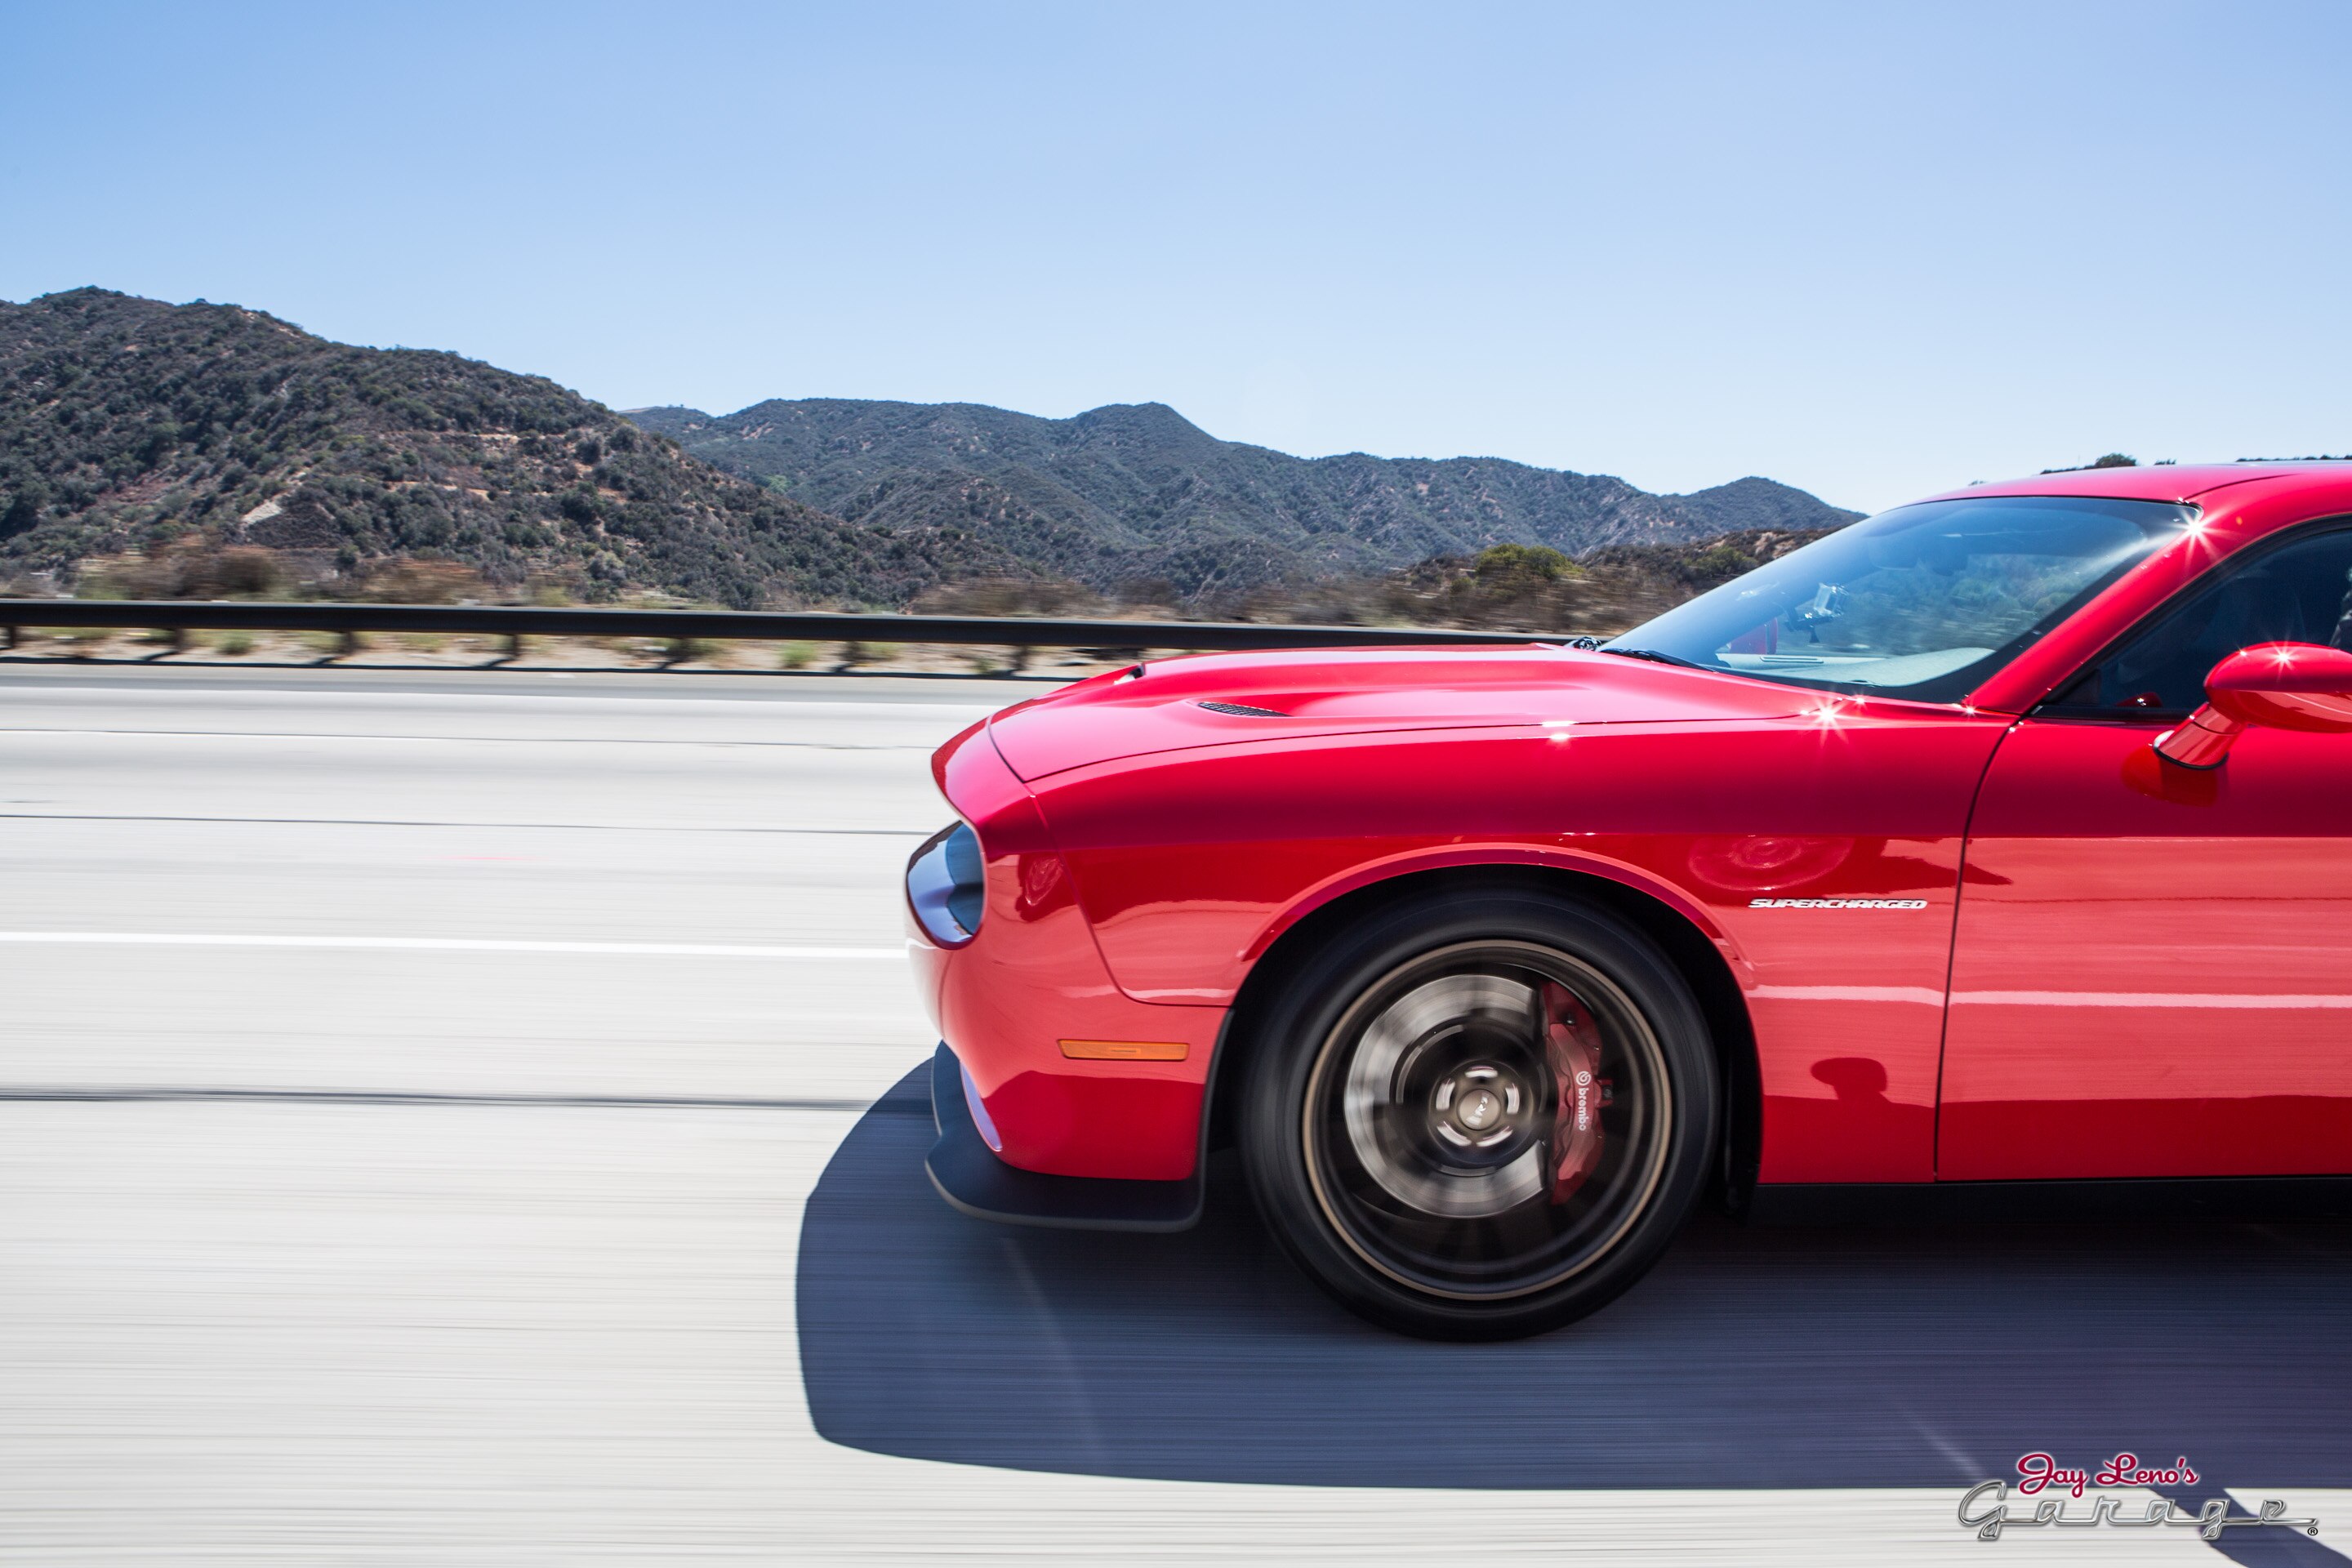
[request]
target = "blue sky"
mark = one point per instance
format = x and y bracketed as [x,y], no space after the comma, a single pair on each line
[1873,250]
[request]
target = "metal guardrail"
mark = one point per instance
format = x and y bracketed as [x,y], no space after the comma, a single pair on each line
[514,621]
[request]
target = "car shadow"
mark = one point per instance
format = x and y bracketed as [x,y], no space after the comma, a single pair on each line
[1880,1356]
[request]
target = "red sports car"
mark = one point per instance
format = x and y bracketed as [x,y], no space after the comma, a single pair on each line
[2001,838]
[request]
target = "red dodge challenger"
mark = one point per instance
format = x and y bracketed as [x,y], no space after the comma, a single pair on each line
[2001,838]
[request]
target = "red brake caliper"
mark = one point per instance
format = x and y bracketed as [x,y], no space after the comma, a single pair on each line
[1572,1051]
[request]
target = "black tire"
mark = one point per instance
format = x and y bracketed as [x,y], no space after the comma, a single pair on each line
[1405,1133]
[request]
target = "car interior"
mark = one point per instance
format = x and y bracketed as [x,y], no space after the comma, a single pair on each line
[2298,592]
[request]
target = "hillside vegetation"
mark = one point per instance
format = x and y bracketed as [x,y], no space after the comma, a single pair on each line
[128,425]
[199,450]
[1504,587]
[1137,495]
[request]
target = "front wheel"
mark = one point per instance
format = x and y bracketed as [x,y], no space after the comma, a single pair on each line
[1480,1116]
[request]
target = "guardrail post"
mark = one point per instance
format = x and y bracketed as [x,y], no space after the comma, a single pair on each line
[12,636]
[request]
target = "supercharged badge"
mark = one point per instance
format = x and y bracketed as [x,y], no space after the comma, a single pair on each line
[1837,903]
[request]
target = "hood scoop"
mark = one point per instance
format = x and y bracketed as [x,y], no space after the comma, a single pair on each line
[1246,700]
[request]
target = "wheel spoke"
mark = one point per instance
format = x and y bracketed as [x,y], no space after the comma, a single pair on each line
[1460,1133]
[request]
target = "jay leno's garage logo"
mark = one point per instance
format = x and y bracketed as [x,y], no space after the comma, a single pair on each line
[1987,1509]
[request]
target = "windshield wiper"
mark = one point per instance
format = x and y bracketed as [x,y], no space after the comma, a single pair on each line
[1654,656]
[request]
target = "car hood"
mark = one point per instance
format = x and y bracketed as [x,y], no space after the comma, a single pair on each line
[1182,703]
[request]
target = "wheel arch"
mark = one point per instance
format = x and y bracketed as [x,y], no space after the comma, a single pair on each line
[1695,957]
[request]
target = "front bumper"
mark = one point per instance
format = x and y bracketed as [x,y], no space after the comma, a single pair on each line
[974,1180]
[1079,1078]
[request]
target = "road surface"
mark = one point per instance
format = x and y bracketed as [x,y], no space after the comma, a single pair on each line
[465,1118]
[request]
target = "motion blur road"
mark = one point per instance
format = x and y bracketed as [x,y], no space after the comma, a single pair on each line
[451,1118]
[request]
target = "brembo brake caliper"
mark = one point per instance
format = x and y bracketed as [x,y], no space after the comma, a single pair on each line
[1572,1051]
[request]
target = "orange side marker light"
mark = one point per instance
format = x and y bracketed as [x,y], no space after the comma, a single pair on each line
[1124,1050]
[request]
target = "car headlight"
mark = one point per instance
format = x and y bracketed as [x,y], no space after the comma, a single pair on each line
[946,886]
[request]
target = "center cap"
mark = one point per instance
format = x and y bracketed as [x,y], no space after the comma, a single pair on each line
[1479,1109]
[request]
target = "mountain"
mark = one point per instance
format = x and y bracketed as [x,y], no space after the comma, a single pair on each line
[128,423]
[1136,492]
[141,443]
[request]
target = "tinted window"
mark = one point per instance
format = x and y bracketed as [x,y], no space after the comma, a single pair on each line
[2299,592]
[1923,602]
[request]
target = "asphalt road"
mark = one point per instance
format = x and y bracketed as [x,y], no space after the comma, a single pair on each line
[451,1118]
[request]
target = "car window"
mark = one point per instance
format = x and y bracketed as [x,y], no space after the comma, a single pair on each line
[2297,591]
[1923,602]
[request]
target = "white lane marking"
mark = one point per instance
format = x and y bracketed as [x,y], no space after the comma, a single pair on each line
[455,822]
[475,740]
[855,708]
[439,945]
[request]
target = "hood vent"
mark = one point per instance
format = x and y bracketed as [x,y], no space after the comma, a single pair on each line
[1242,711]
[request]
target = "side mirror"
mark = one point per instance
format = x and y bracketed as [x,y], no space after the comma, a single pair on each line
[2285,685]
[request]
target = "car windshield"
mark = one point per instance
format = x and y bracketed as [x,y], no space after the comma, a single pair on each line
[1923,602]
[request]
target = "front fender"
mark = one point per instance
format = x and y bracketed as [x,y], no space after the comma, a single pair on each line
[1820,853]
[1459,857]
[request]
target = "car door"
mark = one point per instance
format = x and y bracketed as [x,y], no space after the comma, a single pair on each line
[2152,966]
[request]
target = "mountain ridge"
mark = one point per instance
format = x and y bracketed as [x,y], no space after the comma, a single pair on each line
[130,425]
[1137,491]
[132,429]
